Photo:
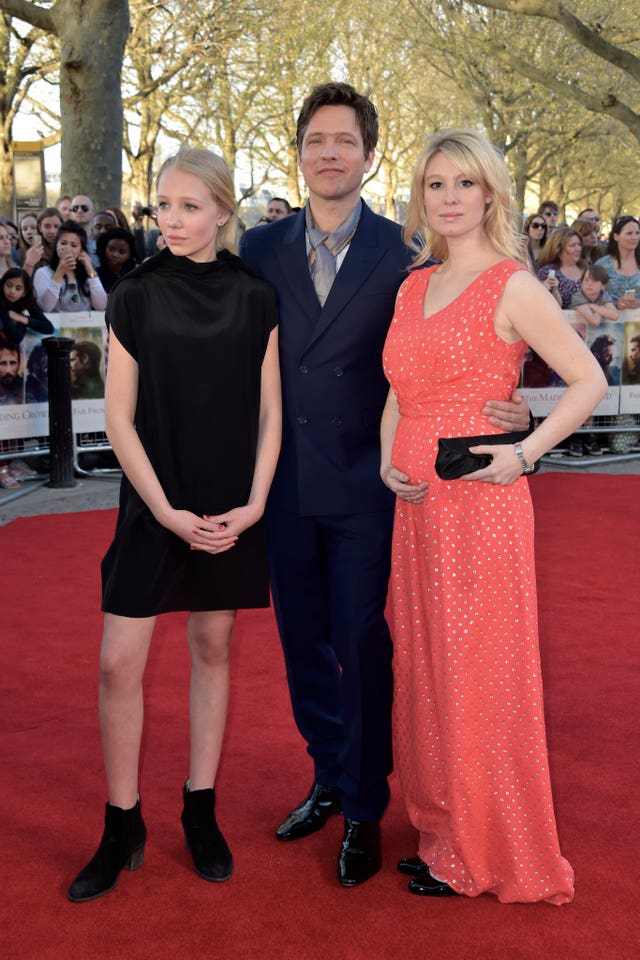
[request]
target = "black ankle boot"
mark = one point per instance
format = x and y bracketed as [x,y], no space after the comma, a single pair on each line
[121,848]
[211,855]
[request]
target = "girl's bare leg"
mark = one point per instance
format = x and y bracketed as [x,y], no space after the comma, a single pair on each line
[123,657]
[209,637]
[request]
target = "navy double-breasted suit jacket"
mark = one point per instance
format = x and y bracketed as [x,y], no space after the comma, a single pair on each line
[333,384]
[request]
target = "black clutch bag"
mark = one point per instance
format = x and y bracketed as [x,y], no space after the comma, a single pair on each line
[454,460]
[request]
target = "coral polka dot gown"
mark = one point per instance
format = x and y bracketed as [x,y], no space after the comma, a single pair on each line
[469,733]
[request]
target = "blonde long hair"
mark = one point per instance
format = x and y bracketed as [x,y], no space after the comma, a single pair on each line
[477,157]
[214,173]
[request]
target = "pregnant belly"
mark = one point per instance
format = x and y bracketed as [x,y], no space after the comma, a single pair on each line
[416,442]
[414,449]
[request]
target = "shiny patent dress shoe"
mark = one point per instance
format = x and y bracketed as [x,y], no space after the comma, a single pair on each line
[360,855]
[312,814]
[424,885]
[412,866]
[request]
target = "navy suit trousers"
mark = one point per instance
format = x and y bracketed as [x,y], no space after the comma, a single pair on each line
[329,577]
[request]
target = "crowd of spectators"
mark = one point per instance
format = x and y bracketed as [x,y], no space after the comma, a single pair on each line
[68,257]
[594,277]
[562,253]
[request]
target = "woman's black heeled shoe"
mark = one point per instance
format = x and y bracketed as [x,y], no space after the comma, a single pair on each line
[412,866]
[427,886]
[211,855]
[121,848]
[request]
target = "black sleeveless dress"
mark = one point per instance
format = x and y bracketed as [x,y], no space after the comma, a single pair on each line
[198,332]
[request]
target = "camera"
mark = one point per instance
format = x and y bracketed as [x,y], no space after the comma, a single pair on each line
[146,211]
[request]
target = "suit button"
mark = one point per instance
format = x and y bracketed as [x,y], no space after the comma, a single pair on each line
[302,419]
[337,421]
[303,369]
[338,371]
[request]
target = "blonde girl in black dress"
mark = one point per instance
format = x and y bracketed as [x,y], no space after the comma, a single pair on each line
[193,415]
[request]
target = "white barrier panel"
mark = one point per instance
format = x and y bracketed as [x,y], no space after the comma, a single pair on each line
[25,412]
[616,347]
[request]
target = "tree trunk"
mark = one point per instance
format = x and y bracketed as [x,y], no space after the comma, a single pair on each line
[6,177]
[390,188]
[92,40]
[294,195]
[92,36]
[141,178]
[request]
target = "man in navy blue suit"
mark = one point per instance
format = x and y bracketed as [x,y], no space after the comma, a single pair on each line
[336,268]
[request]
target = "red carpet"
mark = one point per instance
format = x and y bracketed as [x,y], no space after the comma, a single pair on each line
[283,901]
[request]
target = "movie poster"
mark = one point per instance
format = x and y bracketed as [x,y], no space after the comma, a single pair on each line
[24,399]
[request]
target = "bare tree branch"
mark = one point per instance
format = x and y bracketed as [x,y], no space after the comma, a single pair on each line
[587,37]
[37,16]
[606,104]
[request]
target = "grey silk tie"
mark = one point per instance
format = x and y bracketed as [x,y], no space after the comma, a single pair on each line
[325,247]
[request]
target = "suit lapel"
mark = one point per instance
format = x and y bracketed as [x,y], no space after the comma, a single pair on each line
[294,266]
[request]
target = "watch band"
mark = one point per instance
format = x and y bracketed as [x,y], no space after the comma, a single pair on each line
[526,467]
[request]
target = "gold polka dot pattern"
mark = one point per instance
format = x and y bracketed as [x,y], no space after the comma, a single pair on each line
[469,735]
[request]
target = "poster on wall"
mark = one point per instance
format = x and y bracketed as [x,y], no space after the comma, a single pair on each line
[24,401]
[605,343]
[630,379]
[541,385]
[616,347]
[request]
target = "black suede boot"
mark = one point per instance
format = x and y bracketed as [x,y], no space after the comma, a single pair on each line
[121,848]
[211,855]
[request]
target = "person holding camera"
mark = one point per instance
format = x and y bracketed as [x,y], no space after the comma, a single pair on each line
[622,263]
[561,266]
[70,283]
[146,239]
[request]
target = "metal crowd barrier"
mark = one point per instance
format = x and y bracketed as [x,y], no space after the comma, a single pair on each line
[61,446]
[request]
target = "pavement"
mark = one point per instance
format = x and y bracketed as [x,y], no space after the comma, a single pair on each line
[99,491]
[35,498]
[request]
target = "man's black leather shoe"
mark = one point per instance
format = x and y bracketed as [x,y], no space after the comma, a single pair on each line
[427,886]
[312,814]
[360,855]
[412,866]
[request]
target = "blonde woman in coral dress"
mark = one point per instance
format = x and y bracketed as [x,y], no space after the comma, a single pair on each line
[469,733]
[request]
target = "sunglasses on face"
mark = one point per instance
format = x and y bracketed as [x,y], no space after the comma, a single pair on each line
[538,226]
[547,213]
[80,206]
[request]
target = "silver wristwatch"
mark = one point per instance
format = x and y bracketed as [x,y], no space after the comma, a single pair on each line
[526,467]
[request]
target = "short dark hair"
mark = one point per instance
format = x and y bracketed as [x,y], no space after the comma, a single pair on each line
[116,233]
[281,200]
[6,343]
[548,205]
[597,273]
[340,95]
